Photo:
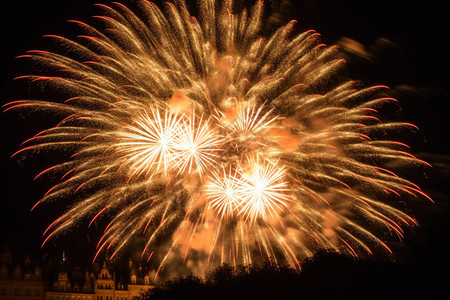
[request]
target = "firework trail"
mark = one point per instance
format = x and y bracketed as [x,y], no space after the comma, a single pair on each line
[184,129]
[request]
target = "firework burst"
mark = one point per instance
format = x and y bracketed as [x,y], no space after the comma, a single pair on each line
[183,127]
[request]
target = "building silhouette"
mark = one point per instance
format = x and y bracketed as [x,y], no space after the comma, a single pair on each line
[20,281]
[27,280]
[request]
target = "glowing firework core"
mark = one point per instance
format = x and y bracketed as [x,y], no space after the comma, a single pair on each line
[169,142]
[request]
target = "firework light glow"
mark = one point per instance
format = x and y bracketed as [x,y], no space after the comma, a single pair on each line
[205,137]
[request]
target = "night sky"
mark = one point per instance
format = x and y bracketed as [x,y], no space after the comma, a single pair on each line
[408,46]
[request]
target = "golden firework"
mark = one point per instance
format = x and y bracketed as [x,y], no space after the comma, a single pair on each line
[202,136]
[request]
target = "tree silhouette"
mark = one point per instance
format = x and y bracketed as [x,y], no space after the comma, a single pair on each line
[327,275]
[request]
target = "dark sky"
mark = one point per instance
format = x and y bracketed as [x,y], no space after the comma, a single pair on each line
[416,55]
